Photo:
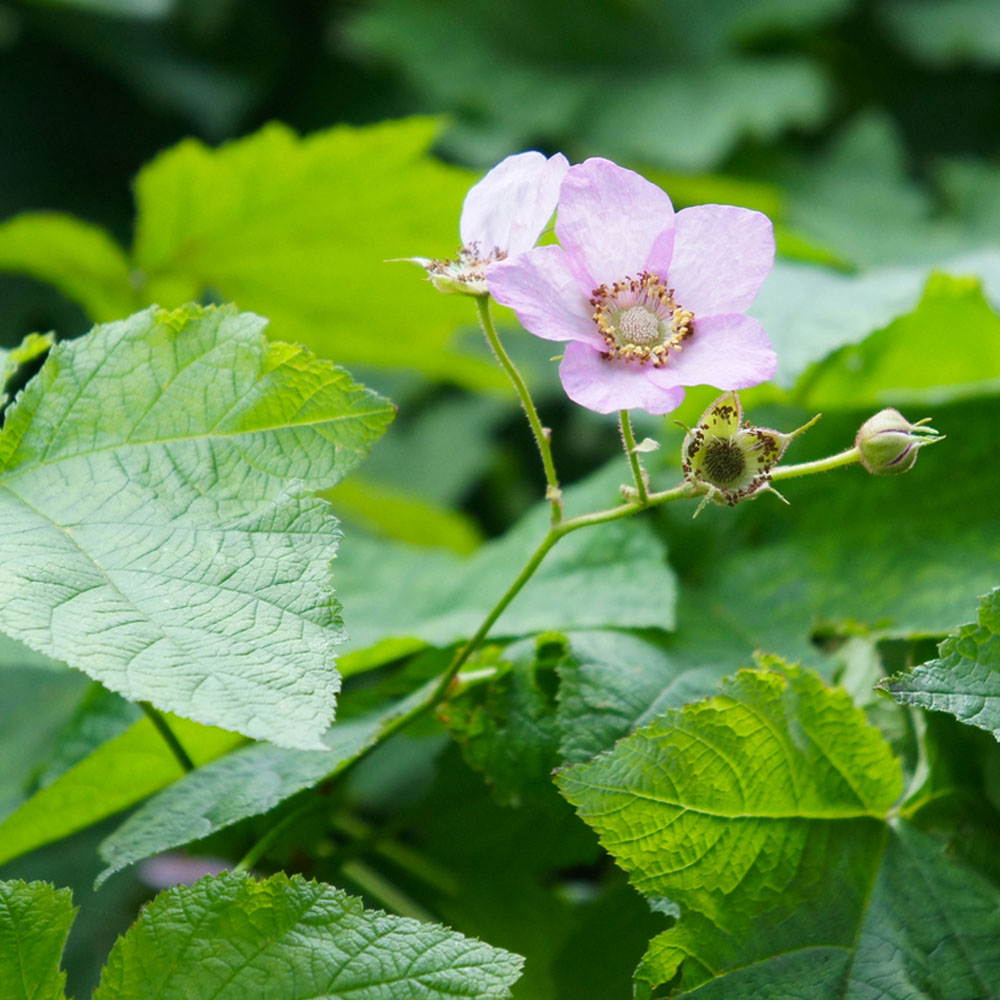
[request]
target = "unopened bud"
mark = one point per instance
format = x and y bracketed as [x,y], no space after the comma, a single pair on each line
[889,443]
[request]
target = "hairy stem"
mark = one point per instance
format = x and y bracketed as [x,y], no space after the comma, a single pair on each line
[849,457]
[552,492]
[628,439]
[160,724]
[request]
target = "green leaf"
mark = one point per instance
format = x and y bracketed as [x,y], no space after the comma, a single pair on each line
[744,810]
[155,514]
[34,706]
[402,516]
[707,95]
[613,682]
[299,229]
[507,727]
[80,259]
[33,346]
[223,937]
[890,367]
[699,772]
[739,806]
[247,782]
[123,771]
[35,919]
[713,107]
[926,929]
[946,33]
[965,679]
[612,574]
[889,557]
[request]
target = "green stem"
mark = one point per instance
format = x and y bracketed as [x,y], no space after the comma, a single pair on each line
[383,891]
[553,493]
[848,457]
[160,724]
[555,532]
[628,439]
[558,529]
[260,848]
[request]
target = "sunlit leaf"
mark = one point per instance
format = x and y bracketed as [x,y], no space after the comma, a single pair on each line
[82,260]
[747,810]
[156,518]
[300,229]
[121,772]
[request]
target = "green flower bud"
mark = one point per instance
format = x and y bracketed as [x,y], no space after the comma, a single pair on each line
[889,443]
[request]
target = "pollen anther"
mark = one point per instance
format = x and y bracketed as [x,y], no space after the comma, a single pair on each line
[639,320]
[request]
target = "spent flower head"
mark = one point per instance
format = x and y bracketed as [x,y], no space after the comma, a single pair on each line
[727,459]
[502,216]
[889,443]
[648,301]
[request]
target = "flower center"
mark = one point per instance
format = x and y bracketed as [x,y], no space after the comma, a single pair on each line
[724,462]
[639,320]
[468,269]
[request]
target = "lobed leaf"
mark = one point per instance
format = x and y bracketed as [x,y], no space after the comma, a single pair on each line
[965,679]
[227,938]
[299,229]
[742,806]
[156,520]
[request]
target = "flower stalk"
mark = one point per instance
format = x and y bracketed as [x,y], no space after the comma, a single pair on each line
[552,492]
[638,472]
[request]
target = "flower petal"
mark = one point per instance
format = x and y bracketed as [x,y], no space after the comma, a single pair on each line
[613,223]
[508,209]
[606,386]
[539,287]
[722,255]
[729,352]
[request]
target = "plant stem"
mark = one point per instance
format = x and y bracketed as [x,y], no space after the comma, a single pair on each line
[848,457]
[260,848]
[553,493]
[628,439]
[558,529]
[555,532]
[381,889]
[160,724]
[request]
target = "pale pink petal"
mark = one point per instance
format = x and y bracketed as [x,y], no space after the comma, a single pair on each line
[608,386]
[613,223]
[729,352]
[539,287]
[508,209]
[722,255]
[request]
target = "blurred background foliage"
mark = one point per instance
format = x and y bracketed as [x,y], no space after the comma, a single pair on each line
[277,154]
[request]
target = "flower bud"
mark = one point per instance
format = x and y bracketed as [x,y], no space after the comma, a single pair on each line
[889,443]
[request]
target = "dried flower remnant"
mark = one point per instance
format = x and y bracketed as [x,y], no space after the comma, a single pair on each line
[648,301]
[727,459]
[503,215]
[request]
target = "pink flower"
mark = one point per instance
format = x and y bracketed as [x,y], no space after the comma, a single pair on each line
[648,301]
[503,215]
